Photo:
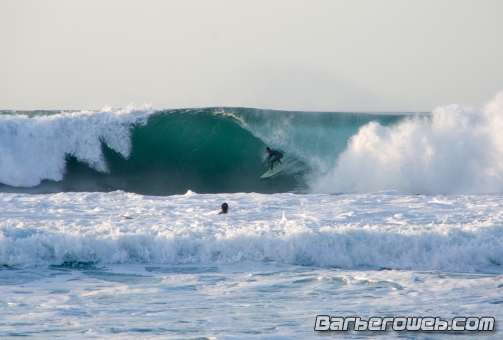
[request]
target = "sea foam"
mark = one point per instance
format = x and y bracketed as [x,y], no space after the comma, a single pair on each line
[449,248]
[383,230]
[458,150]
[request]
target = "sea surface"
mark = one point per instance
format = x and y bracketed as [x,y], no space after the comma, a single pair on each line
[109,224]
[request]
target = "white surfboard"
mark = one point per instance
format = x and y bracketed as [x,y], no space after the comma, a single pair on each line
[276,170]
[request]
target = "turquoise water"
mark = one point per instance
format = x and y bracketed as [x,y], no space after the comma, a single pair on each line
[209,150]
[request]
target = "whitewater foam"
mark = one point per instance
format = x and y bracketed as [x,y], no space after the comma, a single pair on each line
[71,266]
[384,230]
[457,150]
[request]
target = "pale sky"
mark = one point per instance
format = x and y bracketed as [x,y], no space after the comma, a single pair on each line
[346,55]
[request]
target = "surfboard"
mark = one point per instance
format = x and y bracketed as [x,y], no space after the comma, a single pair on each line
[277,169]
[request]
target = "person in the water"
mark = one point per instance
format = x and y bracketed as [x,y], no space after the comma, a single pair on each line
[225,209]
[277,156]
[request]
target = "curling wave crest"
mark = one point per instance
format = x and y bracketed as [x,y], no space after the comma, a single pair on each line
[35,148]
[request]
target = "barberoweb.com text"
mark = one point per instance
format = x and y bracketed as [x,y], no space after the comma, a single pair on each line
[379,324]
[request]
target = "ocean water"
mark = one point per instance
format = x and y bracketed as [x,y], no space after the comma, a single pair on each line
[109,224]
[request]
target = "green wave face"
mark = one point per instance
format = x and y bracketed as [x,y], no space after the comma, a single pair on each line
[217,151]
[184,150]
[196,151]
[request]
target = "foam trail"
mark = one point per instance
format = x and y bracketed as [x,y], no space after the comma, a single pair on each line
[456,150]
[34,149]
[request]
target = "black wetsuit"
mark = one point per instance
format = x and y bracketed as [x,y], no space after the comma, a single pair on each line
[277,156]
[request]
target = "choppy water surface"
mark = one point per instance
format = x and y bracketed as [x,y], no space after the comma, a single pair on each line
[74,266]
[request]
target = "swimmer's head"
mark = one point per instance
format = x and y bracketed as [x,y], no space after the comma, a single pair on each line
[225,208]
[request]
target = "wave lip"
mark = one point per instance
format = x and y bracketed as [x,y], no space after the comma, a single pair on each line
[35,148]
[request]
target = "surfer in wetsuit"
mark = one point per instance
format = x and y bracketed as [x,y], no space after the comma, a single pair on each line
[277,156]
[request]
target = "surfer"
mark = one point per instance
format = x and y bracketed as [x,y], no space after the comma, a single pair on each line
[225,209]
[277,156]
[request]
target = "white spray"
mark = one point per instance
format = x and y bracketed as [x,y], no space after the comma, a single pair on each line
[457,150]
[34,149]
